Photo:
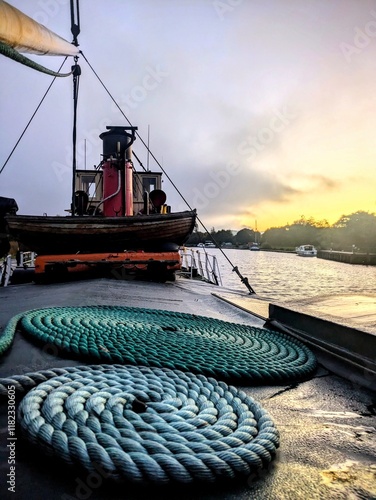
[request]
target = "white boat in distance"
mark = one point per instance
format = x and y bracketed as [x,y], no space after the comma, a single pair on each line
[254,247]
[306,251]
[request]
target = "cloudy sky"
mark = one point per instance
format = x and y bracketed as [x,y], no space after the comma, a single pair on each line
[259,110]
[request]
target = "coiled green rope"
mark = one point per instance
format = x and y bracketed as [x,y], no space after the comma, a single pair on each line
[148,424]
[150,337]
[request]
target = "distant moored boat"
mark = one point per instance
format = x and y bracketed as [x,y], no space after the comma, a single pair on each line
[306,251]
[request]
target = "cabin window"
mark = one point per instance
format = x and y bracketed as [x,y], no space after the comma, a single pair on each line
[89,185]
[144,182]
[149,184]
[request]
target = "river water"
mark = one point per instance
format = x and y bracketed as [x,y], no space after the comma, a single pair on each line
[286,276]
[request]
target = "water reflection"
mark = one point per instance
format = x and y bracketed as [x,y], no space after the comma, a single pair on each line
[285,276]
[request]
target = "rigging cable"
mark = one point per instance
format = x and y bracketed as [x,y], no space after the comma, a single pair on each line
[235,269]
[139,161]
[32,117]
[76,71]
[75,21]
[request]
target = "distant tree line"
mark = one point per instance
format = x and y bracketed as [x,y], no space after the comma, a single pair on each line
[354,232]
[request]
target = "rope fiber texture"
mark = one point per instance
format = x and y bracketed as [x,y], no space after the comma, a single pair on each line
[148,425]
[150,337]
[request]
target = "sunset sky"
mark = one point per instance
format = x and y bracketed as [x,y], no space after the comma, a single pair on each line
[259,110]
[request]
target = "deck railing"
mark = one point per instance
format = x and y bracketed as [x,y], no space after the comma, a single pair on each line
[24,260]
[198,264]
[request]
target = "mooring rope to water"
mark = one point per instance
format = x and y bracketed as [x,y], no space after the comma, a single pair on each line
[145,424]
[165,339]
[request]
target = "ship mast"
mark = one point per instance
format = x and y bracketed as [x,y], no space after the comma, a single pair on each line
[76,72]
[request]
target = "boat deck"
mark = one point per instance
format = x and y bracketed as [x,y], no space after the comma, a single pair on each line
[327,424]
[356,311]
[341,329]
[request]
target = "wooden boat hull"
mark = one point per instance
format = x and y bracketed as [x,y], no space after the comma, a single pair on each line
[85,234]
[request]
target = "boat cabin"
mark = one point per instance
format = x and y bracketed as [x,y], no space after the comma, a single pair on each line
[89,190]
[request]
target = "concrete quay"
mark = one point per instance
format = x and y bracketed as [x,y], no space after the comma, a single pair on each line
[368,259]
